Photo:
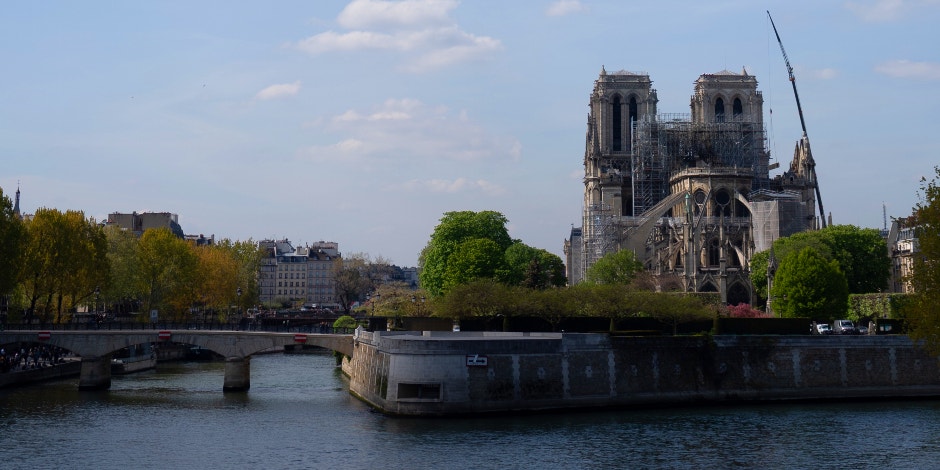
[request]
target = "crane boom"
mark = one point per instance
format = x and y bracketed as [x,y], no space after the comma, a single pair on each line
[799,109]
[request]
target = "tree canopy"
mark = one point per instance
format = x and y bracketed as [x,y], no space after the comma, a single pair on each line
[809,285]
[467,246]
[614,268]
[12,241]
[860,253]
[923,313]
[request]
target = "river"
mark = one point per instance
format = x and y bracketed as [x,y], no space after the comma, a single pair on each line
[299,415]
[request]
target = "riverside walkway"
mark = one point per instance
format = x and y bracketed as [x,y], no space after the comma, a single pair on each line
[95,347]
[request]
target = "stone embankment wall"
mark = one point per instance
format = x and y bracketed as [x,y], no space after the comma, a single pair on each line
[441,373]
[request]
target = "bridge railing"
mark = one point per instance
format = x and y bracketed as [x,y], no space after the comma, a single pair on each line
[203,326]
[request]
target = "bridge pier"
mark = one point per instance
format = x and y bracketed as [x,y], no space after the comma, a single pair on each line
[237,374]
[96,373]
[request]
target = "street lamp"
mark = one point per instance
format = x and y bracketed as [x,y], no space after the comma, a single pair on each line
[97,293]
[238,301]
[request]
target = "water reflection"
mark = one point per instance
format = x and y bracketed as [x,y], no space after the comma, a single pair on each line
[299,414]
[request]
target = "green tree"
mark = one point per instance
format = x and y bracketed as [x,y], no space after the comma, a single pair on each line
[122,291]
[216,282]
[168,268]
[923,310]
[531,267]
[673,309]
[614,268]
[473,259]
[12,241]
[862,256]
[483,298]
[809,285]
[247,256]
[449,237]
[65,258]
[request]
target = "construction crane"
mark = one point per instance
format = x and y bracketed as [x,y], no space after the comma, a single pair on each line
[822,213]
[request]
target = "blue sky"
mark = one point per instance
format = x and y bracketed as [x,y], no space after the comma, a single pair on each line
[363,122]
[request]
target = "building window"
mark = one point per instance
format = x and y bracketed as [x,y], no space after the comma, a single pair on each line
[736,109]
[719,110]
[617,125]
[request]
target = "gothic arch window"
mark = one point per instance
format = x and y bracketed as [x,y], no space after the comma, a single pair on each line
[737,110]
[698,201]
[616,123]
[719,110]
[708,287]
[723,202]
[714,252]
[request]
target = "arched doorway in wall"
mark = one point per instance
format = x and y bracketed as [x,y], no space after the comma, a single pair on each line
[738,293]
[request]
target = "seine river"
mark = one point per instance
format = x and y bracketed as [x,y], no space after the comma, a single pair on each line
[299,415]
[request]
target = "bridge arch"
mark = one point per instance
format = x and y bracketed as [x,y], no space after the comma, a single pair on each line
[96,347]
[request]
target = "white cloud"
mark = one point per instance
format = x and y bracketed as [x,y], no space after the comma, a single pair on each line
[824,74]
[886,10]
[565,7]
[278,91]
[407,130]
[384,14]
[909,69]
[456,186]
[419,30]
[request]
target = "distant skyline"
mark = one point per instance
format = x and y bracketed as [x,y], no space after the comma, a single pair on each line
[363,122]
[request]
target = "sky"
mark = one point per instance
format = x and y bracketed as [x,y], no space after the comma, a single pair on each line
[363,122]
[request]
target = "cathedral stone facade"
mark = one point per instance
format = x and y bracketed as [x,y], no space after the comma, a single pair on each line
[689,194]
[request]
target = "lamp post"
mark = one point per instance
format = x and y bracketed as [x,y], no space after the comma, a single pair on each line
[238,301]
[97,294]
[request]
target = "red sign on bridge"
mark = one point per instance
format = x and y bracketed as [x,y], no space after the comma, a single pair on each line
[44,335]
[300,338]
[164,335]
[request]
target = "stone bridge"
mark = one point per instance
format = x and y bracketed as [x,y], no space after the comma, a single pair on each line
[96,347]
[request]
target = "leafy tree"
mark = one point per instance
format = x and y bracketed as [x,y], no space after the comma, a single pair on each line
[614,268]
[345,321]
[12,241]
[122,291]
[449,238]
[534,268]
[247,256]
[474,258]
[782,247]
[807,284]
[923,311]
[861,255]
[674,309]
[216,281]
[356,276]
[484,298]
[65,258]
[167,268]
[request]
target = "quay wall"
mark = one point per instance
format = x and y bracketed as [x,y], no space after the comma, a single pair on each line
[444,373]
[64,370]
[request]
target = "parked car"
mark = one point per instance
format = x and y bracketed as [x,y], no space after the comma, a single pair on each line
[844,327]
[863,330]
[822,329]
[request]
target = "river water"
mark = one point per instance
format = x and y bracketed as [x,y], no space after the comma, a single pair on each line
[299,415]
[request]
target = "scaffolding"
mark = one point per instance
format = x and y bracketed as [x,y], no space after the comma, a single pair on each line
[596,235]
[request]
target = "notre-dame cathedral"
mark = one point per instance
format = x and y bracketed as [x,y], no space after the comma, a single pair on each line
[689,194]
